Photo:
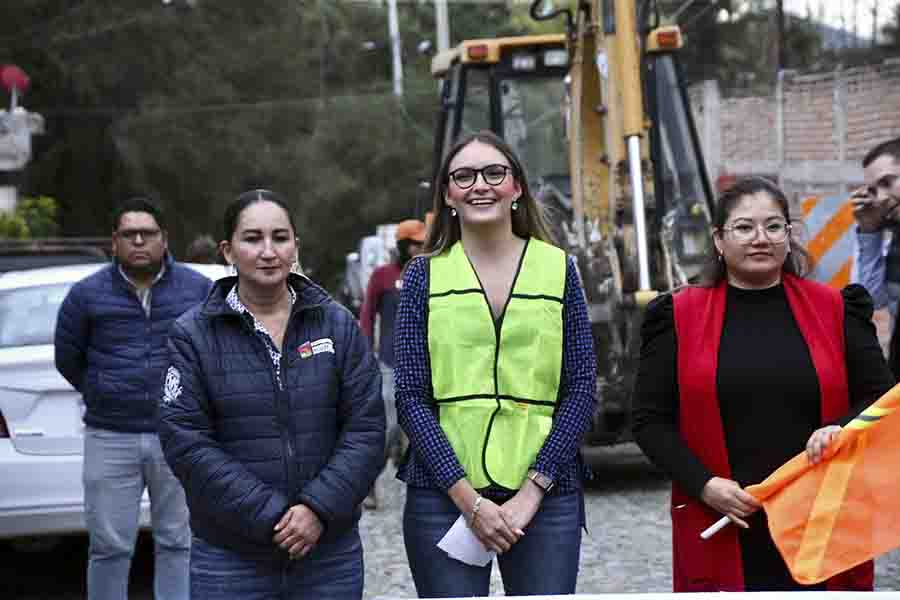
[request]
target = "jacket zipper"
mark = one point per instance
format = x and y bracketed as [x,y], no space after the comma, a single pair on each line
[281,409]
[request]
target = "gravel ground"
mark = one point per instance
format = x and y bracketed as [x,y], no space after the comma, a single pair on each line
[627,547]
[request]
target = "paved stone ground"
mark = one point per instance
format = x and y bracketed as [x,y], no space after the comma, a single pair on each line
[627,548]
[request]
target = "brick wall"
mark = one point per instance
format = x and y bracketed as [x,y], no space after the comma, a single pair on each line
[811,131]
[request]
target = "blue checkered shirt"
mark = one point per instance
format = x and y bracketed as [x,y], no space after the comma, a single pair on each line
[431,462]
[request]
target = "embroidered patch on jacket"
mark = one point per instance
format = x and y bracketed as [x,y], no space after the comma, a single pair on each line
[317,347]
[172,388]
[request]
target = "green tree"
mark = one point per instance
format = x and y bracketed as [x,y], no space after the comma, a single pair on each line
[33,218]
[40,216]
[13,226]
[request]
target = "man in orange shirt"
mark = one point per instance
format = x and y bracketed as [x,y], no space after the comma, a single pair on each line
[382,299]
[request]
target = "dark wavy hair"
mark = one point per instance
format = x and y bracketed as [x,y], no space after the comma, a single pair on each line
[527,221]
[797,262]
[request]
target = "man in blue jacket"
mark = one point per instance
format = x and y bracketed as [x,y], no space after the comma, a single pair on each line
[111,346]
[876,207]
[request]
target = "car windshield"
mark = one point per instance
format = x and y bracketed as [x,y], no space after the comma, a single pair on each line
[28,315]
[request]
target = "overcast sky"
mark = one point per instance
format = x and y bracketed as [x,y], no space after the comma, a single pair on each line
[833,10]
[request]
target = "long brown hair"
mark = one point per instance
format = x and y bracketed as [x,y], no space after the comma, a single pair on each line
[797,262]
[527,221]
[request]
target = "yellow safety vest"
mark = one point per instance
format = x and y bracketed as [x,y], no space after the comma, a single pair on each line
[496,384]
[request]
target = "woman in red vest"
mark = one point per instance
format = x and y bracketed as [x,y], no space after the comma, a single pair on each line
[738,375]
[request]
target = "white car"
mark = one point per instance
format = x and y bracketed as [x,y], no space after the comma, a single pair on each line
[41,431]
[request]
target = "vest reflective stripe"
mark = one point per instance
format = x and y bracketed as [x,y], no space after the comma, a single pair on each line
[496,386]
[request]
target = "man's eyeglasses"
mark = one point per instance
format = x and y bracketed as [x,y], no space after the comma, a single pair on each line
[145,234]
[465,177]
[744,232]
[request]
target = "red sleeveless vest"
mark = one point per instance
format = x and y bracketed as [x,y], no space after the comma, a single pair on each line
[715,564]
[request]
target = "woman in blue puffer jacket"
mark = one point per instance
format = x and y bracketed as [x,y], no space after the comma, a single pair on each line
[271,417]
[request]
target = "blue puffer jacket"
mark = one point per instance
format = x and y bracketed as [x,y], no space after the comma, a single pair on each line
[243,449]
[111,352]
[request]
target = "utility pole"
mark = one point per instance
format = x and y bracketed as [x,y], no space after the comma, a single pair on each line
[397,60]
[875,24]
[844,32]
[442,24]
[779,42]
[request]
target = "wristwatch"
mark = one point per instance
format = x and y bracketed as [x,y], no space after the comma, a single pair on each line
[540,480]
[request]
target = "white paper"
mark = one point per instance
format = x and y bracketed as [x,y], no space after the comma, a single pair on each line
[460,543]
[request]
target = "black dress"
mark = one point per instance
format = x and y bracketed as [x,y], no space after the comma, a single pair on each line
[768,399]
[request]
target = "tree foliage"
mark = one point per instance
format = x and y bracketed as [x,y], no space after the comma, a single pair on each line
[33,218]
[193,106]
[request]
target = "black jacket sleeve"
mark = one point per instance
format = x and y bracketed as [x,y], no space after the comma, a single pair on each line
[358,457]
[215,482]
[656,405]
[868,376]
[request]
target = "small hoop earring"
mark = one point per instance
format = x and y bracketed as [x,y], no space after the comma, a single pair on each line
[515,205]
[452,212]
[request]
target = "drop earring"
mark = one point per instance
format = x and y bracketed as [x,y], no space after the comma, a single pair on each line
[452,212]
[515,205]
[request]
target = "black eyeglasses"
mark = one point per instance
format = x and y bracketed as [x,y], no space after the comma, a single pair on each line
[132,234]
[465,177]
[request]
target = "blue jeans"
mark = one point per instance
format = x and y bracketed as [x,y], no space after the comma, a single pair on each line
[117,468]
[332,571]
[545,561]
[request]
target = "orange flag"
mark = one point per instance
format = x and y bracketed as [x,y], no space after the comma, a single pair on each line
[829,517]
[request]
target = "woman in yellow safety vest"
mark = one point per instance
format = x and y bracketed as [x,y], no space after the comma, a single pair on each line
[496,375]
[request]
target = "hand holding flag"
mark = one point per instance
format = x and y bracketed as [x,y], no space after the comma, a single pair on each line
[830,516]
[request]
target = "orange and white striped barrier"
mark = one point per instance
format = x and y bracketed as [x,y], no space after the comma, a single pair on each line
[831,228]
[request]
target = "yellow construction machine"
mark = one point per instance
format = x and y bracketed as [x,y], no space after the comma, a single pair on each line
[601,119]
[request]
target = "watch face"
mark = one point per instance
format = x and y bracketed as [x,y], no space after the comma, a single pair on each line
[541,480]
